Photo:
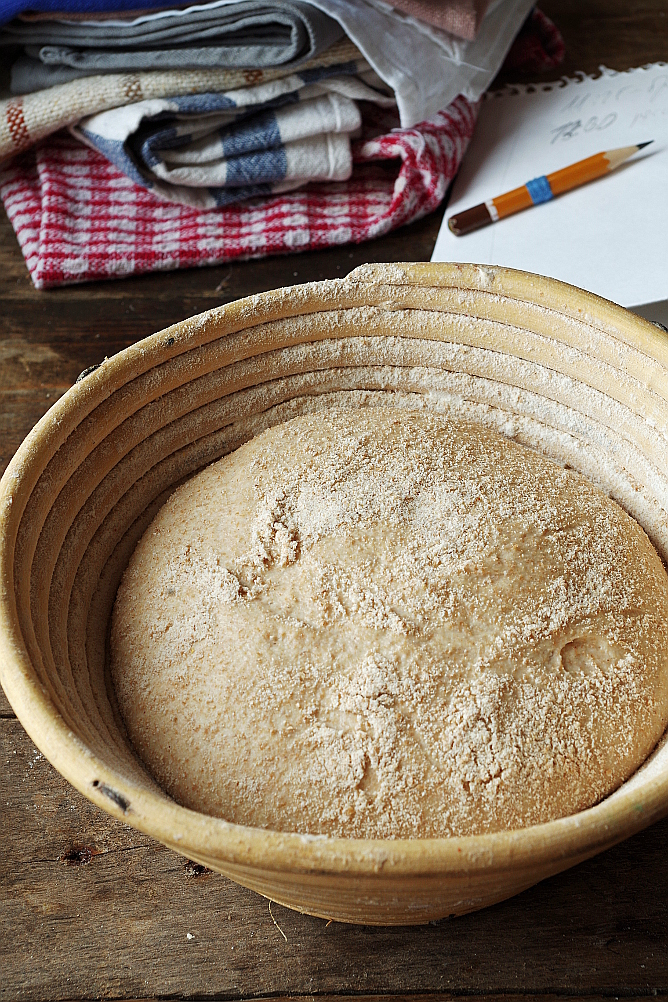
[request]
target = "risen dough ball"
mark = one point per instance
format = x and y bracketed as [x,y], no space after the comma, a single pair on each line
[381,623]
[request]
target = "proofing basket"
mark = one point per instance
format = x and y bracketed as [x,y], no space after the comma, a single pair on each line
[546,364]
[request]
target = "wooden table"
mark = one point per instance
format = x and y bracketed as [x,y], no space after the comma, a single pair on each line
[90,908]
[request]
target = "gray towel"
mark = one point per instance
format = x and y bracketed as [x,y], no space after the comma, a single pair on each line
[252,34]
[30,75]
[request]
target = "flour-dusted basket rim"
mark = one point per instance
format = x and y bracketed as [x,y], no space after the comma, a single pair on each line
[551,365]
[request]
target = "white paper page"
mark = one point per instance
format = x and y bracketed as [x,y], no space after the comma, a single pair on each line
[609,236]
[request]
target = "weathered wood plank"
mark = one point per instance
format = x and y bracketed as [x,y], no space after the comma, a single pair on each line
[610,33]
[19,411]
[438,997]
[91,908]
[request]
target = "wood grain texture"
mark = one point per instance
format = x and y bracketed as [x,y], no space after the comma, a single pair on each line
[80,923]
[612,33]
[95,909]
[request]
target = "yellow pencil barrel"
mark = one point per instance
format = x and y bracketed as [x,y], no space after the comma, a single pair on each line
[578,173]
[512,201]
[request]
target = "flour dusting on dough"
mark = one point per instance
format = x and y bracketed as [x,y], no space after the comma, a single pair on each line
[391,623]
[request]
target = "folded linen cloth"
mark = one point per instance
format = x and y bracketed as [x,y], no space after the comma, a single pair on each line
[425,67]
[459,17]
[196,151]
[26,119]
[220,139]
[246,33]
[77,218]
[29,74]
[538,46]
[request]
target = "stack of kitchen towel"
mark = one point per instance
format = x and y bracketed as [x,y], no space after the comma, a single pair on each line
[226,109]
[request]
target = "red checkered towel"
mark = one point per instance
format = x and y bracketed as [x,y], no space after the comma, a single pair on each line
[77,218]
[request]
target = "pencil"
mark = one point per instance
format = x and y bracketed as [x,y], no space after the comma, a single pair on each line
[541,189]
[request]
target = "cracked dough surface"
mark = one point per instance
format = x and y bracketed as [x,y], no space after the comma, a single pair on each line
[380,623]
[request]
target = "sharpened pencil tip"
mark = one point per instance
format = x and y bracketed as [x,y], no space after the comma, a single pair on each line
[643,145]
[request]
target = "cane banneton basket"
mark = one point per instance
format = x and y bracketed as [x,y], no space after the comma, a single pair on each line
[547,364]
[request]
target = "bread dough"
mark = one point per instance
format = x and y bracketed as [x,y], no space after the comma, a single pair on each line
[383,623]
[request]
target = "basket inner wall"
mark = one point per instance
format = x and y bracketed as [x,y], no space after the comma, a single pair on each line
[185,413]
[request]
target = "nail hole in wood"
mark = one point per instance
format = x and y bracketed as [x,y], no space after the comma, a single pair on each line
[78,856]
[194,869]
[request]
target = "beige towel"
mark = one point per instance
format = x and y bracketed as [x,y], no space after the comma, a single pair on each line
[25,120]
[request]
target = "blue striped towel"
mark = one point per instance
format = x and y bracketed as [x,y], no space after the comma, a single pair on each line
[211,150]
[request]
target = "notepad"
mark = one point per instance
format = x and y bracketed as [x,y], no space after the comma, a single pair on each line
[609,236]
